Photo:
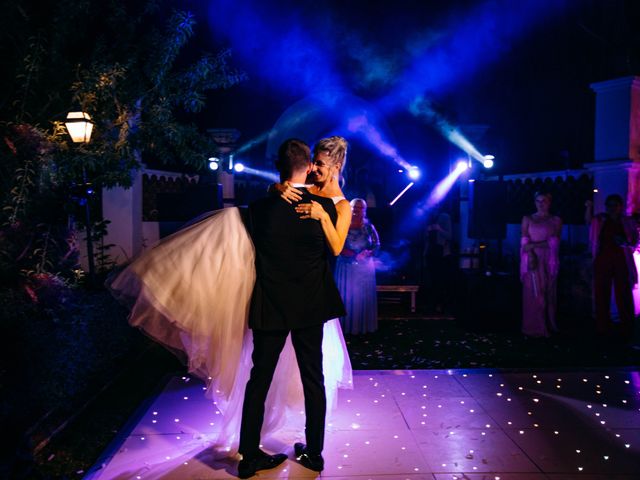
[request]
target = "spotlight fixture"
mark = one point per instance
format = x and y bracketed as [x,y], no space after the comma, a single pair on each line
[462,165]
[488,161]
[214,163]
[238,167]
[414,173]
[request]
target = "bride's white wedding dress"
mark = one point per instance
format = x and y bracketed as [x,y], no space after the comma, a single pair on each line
[191,293]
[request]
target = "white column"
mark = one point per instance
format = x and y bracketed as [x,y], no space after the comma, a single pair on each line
[228,191]
[617,141]
[616,176]
[617,147]
[123,207]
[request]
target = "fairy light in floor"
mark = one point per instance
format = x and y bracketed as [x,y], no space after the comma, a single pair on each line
[538,400]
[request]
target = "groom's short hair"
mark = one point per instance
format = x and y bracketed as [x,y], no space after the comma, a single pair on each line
[293,155]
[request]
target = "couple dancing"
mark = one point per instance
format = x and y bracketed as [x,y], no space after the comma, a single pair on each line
[248,300]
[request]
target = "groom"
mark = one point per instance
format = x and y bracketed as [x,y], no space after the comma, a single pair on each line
[294,294]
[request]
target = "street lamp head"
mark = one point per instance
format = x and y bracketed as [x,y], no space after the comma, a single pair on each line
[79,126]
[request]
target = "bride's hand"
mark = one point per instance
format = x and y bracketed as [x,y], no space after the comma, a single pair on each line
[311,210]
[288,193]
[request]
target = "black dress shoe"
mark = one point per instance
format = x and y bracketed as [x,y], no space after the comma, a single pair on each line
[312,461]
[248,466]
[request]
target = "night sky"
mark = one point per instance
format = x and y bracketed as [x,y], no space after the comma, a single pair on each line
[520,69]
[513,76]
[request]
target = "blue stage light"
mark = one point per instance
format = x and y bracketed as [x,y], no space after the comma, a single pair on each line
[462,166]
[214,163]
[238,167]
[414,173]
[488,161]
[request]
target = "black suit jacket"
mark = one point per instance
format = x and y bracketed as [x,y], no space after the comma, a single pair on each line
[294,284]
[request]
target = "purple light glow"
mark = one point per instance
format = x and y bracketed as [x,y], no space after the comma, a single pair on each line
[414,173]
[360,124]
[421,108]
[271,176]
[443,187]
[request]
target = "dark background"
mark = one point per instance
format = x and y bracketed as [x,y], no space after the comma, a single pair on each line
[522,69]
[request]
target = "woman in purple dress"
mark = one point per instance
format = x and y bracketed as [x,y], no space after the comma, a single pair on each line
[539,264]
[356,272]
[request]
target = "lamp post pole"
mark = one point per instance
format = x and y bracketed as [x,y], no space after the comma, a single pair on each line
[90,258]
[80,127]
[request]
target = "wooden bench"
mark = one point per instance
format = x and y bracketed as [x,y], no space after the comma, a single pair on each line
[412,289]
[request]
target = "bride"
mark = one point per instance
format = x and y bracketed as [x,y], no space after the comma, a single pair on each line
[191,293]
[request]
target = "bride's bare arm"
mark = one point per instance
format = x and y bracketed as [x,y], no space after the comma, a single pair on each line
[337,235]
[288,193]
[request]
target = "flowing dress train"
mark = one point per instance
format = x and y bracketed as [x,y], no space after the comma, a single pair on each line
[191,293]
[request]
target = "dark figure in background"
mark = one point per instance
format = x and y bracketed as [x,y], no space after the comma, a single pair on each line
[294,294]
[356,273]
[439,261]
[364,187]
[614,237]
[539,266]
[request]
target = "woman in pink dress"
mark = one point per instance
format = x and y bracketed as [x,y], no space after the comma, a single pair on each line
[539,248]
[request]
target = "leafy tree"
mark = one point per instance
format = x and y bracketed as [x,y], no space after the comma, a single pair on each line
[124,64]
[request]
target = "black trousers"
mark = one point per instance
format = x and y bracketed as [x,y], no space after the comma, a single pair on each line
[267,345]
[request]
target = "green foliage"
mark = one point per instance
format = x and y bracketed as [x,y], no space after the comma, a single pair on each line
[121,63]
[104,262]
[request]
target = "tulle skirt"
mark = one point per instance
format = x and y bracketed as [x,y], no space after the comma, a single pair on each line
[191,292]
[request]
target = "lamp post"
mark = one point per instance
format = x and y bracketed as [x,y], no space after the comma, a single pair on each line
[80,127]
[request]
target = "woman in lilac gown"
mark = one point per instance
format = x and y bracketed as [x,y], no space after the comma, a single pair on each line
[539,264]
[356,273]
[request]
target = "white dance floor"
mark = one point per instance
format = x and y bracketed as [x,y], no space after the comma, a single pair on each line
[417,425]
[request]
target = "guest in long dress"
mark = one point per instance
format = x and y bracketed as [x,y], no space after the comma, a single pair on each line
[539,265]
[614,237]
[356,274]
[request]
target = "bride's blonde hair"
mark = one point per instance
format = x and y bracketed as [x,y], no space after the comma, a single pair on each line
[335,147]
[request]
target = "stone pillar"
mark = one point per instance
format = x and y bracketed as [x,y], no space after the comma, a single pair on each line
[123,207]
[228,191]
[225,140]
[617,141]
[617,147]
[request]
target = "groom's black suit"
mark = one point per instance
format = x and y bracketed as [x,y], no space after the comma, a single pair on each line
[294,292]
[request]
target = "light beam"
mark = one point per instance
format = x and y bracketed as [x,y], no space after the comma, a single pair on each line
[400,194]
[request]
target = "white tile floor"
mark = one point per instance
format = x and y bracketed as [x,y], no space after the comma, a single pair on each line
[416,425]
